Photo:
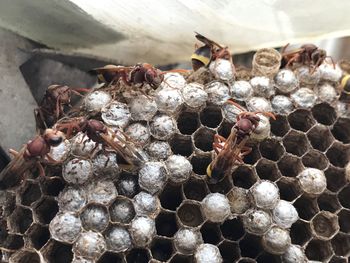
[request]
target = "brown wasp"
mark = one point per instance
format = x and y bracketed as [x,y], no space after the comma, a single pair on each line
[232,150]
[51,108]
[211,51]
[98,132]
[307,54]
[33,153]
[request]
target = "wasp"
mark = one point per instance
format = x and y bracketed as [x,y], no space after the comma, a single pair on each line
[345,88]
[232,150]
[35,152]
[307,54]
[211,51]
[51,108]
[98,132]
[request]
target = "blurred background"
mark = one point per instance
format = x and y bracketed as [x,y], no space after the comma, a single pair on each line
[44,42]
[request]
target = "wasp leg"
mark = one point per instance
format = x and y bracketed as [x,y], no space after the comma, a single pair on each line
[41,169]
[13,152]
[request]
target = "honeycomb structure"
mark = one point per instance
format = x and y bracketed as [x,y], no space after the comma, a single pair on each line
[288,202]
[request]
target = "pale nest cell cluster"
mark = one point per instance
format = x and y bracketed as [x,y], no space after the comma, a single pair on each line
[288,202]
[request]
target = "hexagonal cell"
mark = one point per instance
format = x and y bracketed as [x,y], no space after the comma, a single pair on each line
[181,144]
[250,246]
[30,193]
[25,257]
[127,184]
[344,222]
[335,178]
[162,249]
[138,255]
[203,139]
[267,170]
[181,259]
[188,122]
[300,233]
[200,164]
[324,113]
[195,189]
[57,252]
[328,202]
[324,225]
[171,197]
[232,229]
[267,257]
[306,207]
[45,210]
[246,260]
[223,187]
[290,166]
[108,257]
[211,116]
[253,156]
[341,130]
[296,143]
[52,186]
[211,233]
[229,251]
[190,214]
[280,126]
[315,159]
[338,259]
[339,154]
[318,250]
[122,210]
[94,217]
[244,177]
[301,120]
[166,224]
[343,197]
[20,220]
[289,189]
[341,244]
[320,137]
[271,149]
[38,236]
[12,242]
[225,129]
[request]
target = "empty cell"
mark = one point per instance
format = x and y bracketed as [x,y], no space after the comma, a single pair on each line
[271,149]
[190,214]
[250,246]
[211,233]
[300,233]
[290,166]
[46,210]
[26,257]
[211,116]
[232,229]
[246,260]
[178,258]
[200,164]
[166,224]
[267,257]
[38,235]
[267,170]
[52,186]
[289,189]
[108,257]
[162,249]
[181,144]
[203,139]
[296,143]
[341,130]
[325,225]
[335,178]
[324,113]
[223,187]
[57,252]
[225,129]
[338,259]
[20,220]
[138,255]
[339,154]
[344,222]
[280,126]
[253,156]
[13,242]
[315,159]
[306,207]
[244,177]
[30,193]
[171,197]
[229,251]
[195,189]
[320,137]
[188,122]
[301,120]
[328,202]
[341,244]
[318,250]
[343,197]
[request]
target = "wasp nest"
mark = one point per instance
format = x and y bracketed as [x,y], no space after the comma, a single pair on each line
[289,201]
